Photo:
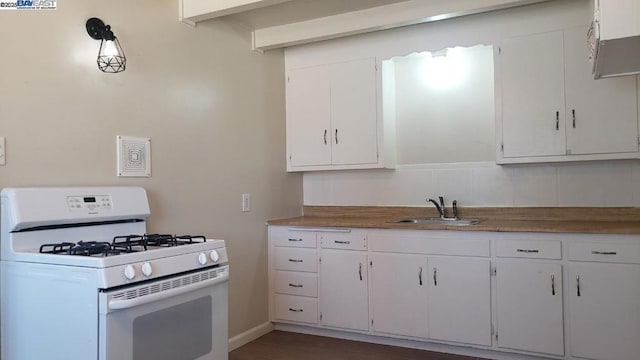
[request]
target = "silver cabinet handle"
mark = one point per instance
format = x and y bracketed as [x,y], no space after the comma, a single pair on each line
[435,277]
[573,115]
[420,276]
[325,136]
[291,239]
[528,250]
[295,260]
[295,285]
[557,120]
[360,271]
[553,285]
[342,242]
[295,310]
[604,252]
[578,284]
[336,136]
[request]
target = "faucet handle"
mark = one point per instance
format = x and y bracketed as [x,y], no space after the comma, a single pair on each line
[455,209]
[444,209]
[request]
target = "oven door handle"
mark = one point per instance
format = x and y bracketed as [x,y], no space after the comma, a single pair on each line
[142,300]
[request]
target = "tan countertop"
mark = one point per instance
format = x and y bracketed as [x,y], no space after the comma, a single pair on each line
[558,220]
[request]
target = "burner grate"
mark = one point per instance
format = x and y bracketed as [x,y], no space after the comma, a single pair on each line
[120,244]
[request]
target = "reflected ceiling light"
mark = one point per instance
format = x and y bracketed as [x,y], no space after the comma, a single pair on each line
[110,56]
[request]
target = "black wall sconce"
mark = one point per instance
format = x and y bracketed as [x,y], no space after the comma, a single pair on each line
[110,56]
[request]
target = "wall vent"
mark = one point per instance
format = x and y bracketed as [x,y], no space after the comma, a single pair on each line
[134,156]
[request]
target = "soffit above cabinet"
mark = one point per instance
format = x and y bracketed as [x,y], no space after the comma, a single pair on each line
[282,23]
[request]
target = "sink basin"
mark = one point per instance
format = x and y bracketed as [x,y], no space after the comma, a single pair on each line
[437,221]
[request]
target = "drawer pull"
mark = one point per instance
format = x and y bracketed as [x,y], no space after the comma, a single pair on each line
[528,251]
[604,252]
[420,276]
[342,242]
[295,285]
[295,310]
[553,285]
[295,260]
[360,271]
[435,276]
[290,239]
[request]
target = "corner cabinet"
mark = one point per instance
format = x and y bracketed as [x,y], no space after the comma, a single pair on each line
[332,117]
[549,108]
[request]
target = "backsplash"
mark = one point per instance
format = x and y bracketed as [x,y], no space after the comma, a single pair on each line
[612,183]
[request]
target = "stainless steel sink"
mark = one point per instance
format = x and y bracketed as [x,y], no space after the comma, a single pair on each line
[437,221]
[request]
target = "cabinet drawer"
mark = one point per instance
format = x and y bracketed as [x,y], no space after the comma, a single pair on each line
[296,283]
[349,241]
[296,308]
[605,252]
[283,236]
[535,249]
[295,259]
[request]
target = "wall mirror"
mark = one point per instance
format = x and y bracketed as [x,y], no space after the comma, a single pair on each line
[442,104]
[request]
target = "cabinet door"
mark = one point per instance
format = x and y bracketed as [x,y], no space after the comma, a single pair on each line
[460,300]
[353,112]
[529,306]
[532,82]
[604,314]
[399,294]
[602,115]
[343,289]
[309,116]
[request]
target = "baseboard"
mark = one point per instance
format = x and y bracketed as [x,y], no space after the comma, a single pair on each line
[250,335]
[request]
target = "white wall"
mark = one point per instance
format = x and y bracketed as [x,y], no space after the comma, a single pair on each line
[214,111]
[447,114]
[612,183]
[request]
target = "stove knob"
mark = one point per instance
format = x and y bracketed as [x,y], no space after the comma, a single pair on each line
[147,270]
[214,256]
[202,259]
[129,272]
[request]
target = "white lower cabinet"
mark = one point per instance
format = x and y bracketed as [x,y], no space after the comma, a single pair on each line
[529,306]
[519,294]
[398,283]
[343,294]
[604,311]
[459,305]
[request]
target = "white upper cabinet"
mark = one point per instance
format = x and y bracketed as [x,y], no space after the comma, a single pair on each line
[332,120]
[309,116]
[551,109]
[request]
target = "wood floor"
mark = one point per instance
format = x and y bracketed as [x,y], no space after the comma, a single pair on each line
[282,345]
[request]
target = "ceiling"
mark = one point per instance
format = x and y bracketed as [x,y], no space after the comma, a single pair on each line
[283,23]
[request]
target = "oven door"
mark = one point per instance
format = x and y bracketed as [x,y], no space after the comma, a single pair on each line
[178,318]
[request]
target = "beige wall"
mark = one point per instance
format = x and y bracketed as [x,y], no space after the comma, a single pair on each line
[214,111]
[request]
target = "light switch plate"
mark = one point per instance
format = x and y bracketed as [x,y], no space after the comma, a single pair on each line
[3,156]
[246,202]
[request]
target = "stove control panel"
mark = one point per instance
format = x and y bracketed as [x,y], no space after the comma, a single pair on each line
[91,204]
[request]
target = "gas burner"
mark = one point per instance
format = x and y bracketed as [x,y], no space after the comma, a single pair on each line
[91,248]
[129,243]
[160,240]
[59,248]
[188,239]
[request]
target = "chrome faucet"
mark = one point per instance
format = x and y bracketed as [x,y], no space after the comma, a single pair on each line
[438,207]
[442,209]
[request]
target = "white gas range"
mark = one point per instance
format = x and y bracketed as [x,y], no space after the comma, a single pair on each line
[80,273]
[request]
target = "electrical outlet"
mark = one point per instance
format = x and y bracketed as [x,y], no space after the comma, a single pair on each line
[246,202]
[2,151]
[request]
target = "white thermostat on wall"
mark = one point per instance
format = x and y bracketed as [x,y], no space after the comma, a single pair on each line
[134,156]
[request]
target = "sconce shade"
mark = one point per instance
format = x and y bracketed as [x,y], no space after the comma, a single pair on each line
[111,57]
